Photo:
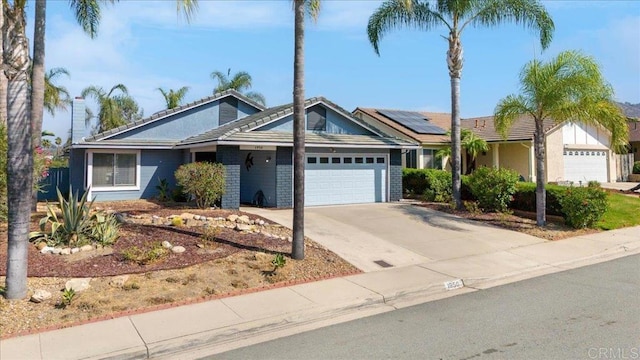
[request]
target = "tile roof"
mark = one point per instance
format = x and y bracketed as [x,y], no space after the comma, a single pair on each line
[250,122]
[442,120]
[164,113]
[522,129]
[318,138]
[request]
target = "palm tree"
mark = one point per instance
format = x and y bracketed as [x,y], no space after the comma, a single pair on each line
[19,152]
[570,87]
[456,15]
[55,97]
[300,7]
[471,143]
[240,81]
[112,106]
[3,76]
[174,98]
[58,143]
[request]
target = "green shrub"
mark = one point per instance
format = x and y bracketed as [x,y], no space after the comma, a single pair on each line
[204,181]
[432,184]
[525,198]
[146,254]
[636,167]
[494,188]
[583,206]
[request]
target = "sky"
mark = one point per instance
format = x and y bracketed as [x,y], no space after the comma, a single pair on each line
[144,45]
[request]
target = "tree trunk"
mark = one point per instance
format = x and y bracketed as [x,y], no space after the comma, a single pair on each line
[541,196]
[297,249]
[37,82]
[20,154]
[454,62]
[3,76]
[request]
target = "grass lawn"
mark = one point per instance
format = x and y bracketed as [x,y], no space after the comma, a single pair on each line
[623,211]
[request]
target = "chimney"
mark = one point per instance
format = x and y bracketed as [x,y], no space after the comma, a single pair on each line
[78,128]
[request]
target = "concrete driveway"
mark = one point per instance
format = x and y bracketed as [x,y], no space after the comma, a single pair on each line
[376,236]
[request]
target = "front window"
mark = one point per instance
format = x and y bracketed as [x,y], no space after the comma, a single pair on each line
[112,170]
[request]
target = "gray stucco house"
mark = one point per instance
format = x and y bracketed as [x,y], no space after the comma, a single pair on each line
[347,160]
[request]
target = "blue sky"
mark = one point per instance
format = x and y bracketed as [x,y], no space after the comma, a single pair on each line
[144,45]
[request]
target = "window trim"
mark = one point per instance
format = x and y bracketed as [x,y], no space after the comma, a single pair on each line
[89,173]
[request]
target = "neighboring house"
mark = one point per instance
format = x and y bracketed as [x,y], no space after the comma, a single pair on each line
[574,152]
[347,160]
[634,138]
[426,128]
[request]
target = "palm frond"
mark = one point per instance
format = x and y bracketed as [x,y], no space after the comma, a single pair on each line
[87,14]
[507,112]
[530,13]
[257,97]
[393,14]
[187,8]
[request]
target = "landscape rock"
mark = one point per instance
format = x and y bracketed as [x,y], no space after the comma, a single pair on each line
[261,222]
[75,250]
[178,249]
[46,250]
[244,219]
[56,251]
[78,284]
[86,248]
[289,239]
[119,281]
[120,218]
[232,217]
[40,296]
[41,245]
[197,217]
[243,227]
[187,215]
[166,245]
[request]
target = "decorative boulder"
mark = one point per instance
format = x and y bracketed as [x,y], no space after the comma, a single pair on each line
[166,245]
[178,249]
[232,218]
[243,227]
[78,284]
[40,296]
[244,219]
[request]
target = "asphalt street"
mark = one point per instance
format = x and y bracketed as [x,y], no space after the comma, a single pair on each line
[586,313]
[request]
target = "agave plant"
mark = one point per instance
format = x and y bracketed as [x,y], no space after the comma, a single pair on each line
[72,226]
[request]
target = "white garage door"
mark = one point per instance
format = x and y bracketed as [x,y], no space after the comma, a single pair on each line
[332,179]
[585,165]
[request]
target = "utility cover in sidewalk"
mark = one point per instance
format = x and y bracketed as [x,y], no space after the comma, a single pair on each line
[383,263]
[453,284]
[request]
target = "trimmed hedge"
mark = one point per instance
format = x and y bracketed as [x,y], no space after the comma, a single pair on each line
[430,184]
[636,167]
[525,198]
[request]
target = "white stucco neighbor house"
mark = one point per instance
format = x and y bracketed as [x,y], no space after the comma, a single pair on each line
[575,152]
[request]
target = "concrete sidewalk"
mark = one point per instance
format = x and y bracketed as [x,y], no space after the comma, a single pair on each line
[197,330]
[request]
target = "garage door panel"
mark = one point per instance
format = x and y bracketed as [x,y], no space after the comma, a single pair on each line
[585,165]
[344,183]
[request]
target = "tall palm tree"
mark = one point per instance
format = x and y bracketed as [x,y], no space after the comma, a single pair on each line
[110,104]
[15,65]
[240,81]
[174,98]
[55,97]
[19,153]
[58,143]
[455,16]
[570,87]
[312,8]
[3,76]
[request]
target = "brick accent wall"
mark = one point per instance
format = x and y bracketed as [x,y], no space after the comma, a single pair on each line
[284,177]
[395,175]
[229,156]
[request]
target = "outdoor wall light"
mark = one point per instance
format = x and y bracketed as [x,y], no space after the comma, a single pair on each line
[268,159]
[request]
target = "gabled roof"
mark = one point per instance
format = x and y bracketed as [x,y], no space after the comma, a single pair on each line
[522,129]
[441,120]
[270,115]
[165,113]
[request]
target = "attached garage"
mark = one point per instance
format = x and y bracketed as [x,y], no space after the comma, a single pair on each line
[332,179]
[583,165]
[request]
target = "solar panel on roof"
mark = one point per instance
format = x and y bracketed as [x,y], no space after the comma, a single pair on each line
[414,121]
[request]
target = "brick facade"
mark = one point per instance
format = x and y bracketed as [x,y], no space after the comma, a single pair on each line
[284,177]
[229,156]
[395,172]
